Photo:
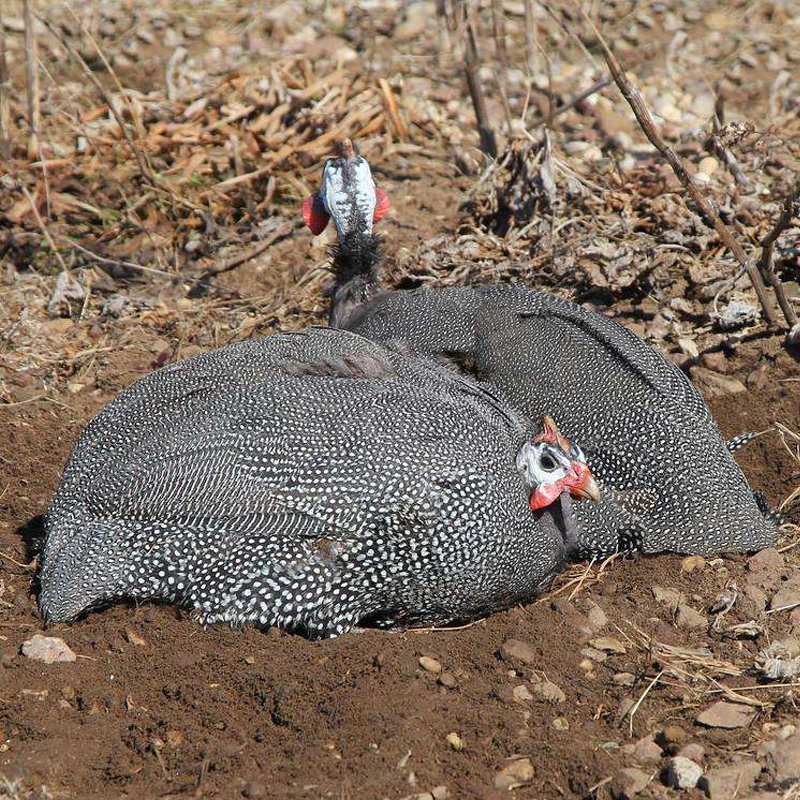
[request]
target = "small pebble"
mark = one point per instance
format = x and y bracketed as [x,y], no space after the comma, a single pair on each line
[455,741]
[430,664]
[692,564]
[627,783]
[709,165]
[550,692]
[727,783]
[726,715]
[522,693]
[624,679]
[682,773]
[696,752]
[646,750]
[254,789]
[516,774]
[608,644]
[596,616]
[448,680]
[48,649]
[135,639]
[516,650]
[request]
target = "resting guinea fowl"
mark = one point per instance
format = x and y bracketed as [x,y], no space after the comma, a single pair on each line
[669,480]
[315,481]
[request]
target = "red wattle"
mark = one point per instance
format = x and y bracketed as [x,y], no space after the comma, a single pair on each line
[545,495]
[314,214]
[382,205]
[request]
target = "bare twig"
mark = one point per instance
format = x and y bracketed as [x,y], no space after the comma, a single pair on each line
[136,118]
[499,30]
[144,167]
[791,209]
[530,39]
[282,233]
[636,705]
[648,126]
[718,146]
[471,63]
[573,101]
[43,228]
[5,91]
[31,53]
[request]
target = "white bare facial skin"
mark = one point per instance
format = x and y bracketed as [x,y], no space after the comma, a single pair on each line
[348,194]
[541,464]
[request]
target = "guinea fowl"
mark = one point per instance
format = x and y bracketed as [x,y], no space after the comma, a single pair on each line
[314,481]
[670,482]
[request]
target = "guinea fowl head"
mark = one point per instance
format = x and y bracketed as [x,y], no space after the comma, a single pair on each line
[347,195]
[554,470]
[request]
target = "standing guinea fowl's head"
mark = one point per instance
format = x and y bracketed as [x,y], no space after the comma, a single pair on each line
[554,470]
[348,196]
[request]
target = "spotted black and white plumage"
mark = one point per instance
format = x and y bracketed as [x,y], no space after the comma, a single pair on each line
[670,482]
[313,480]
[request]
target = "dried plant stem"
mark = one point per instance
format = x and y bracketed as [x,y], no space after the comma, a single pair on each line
[648,126]
[573,101]
[530,39]
[471,63]
[144,167]
[136,118]
[5,91]
[499,30]
[445,43]
[43,228]
[790,210]
[32,56]
[636,705]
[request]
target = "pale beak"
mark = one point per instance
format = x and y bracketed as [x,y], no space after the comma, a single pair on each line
[583,485]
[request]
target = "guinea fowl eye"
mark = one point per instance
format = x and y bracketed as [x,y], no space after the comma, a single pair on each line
[548,463]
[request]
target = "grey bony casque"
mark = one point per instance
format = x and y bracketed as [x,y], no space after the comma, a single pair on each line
[669,480]
[314,481]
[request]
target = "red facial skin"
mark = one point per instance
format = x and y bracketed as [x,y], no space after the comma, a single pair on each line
[382,206]
[579,481]
[316,217]
[314,214]
[573,482]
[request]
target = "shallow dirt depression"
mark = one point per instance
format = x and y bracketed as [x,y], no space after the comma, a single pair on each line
[155,706]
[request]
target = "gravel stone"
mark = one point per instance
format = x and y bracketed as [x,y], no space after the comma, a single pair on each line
[627,783]
[682,773]
[517,773]
[726,715]
[516,650]
[48,649]
[726,783]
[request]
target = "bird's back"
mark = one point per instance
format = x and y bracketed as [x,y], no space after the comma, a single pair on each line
[292,480]
[671,482]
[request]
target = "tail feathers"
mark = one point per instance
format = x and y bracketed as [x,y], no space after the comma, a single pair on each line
[738,442]
[771,515]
